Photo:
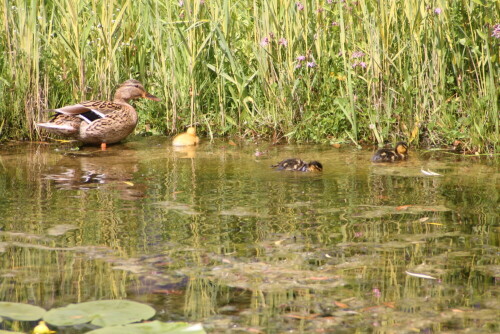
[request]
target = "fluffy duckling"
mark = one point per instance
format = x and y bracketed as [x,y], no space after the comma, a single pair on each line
[399,153]
[42,328]
[298,165]
[188,138]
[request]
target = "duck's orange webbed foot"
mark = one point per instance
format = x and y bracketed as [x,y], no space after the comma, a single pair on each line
[103,146]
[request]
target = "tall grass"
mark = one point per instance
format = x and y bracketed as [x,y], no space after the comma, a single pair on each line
[310,70]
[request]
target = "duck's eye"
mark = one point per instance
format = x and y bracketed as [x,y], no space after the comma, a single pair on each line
[136,86]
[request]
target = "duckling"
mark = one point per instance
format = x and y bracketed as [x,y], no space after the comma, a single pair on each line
[42,328]
[188,138]
[399,153]
[299,165]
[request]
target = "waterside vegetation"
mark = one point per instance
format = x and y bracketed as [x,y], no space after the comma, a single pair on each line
[426,72]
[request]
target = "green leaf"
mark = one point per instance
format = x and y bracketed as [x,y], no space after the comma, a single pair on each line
[100,313]
[67,316]
[152,328]
[481,34]
[231,120]
[22,312]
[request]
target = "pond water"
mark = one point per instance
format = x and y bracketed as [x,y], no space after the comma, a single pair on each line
[214,235]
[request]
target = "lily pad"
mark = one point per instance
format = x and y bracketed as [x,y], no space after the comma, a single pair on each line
[152,328]
[67,316]
[22,312]
[100,313]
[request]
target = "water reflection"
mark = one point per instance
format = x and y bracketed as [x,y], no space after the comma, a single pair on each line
[185,152]
[93,169]
[213,234]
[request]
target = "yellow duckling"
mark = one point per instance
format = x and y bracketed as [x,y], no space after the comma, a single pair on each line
[299,165]
[399,153]
[42,328]
[188,138]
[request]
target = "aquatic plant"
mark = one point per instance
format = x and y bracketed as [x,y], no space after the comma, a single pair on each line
[114,316]
[303,70]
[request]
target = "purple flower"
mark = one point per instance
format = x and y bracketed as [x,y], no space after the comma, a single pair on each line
[299,65]
[357,54]
[181,3]
[311,64]
[335,23]
[282,41]
[301,58]
[264,42]
[437,10]
[320,10]
[360,64]
[300,6]
[329,1]
[496,31]
[202,2]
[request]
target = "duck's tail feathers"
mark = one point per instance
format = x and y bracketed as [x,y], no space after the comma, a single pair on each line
[60,129]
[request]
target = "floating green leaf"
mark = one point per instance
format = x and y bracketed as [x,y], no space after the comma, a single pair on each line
[67,316]
[100,313]
[152,328]
[22,312]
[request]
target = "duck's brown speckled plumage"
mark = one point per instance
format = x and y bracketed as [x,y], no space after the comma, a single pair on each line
[399,153]
[106,122]
[298,165]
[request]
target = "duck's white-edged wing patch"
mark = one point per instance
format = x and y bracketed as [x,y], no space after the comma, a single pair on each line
[91,115]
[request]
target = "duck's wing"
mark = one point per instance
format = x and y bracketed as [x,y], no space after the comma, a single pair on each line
[89,111]
[99,107]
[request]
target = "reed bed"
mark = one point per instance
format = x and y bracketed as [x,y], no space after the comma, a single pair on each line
[305,70]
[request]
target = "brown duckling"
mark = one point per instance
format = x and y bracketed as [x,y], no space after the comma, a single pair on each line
[298,165]
[99,122]
[399,153]
[188,138]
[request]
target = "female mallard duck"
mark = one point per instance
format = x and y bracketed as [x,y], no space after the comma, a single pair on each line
[298,165]
[188,138]
[100,122]
[399,153]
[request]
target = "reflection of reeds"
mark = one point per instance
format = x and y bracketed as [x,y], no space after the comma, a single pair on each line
[279,248]
[307,70]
